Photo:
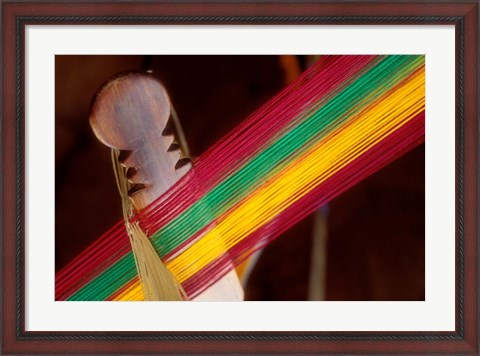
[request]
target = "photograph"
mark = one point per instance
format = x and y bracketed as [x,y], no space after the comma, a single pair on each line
[347,226]
[247,177]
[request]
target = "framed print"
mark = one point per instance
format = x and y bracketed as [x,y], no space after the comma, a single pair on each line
[293,177]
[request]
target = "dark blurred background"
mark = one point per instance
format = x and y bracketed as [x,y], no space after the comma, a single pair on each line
[367,244]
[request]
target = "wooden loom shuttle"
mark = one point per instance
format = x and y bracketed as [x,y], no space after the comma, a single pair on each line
[131,113]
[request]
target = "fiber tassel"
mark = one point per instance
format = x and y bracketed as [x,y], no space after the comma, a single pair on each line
[156,280]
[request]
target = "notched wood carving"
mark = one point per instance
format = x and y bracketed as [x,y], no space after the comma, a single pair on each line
[132,113]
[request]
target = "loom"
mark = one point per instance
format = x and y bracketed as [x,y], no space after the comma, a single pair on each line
[342,120]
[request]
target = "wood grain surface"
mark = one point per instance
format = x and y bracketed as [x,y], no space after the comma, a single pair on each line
[130,113]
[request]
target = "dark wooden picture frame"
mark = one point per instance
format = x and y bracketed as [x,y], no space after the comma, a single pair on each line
[17,14]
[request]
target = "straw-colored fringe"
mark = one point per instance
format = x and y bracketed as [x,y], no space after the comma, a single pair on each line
[156,280]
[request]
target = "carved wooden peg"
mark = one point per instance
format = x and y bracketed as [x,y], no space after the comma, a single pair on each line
[131,113]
